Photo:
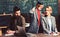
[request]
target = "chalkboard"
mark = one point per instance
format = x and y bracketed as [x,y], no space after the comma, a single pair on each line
[26,5]
[52,3]
[4,21]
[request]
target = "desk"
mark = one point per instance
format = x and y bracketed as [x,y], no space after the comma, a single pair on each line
[36,35]
[1,27]
[42,35]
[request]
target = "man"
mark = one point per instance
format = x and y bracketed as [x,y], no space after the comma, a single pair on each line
[35,18]
[17,26]
[48,22]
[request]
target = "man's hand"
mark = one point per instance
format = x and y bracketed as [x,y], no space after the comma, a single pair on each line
[58,32]
[55,33]
[10,32]
[51,33]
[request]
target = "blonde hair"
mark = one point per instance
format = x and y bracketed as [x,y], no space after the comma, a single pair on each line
[49,7]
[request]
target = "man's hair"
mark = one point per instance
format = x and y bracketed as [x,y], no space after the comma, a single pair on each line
[38,4]
[16,9]
[48,7]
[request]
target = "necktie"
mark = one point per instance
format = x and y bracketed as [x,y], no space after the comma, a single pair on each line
[38,13]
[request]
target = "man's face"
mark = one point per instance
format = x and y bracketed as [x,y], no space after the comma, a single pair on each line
[17,13]
[40,7]
[48,11]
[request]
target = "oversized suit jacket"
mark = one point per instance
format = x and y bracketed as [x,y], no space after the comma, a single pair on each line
[34,22]
[45,24]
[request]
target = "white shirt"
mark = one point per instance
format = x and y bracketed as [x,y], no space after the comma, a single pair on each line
[50,24]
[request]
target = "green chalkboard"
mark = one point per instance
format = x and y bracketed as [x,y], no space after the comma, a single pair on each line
[26,5]
[52,3]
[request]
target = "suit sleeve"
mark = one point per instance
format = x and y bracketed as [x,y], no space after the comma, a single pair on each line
[55,25]
[23,21]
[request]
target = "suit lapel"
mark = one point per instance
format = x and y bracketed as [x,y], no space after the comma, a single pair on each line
[52,20]
[52,23]
[36,13]
[46,22]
